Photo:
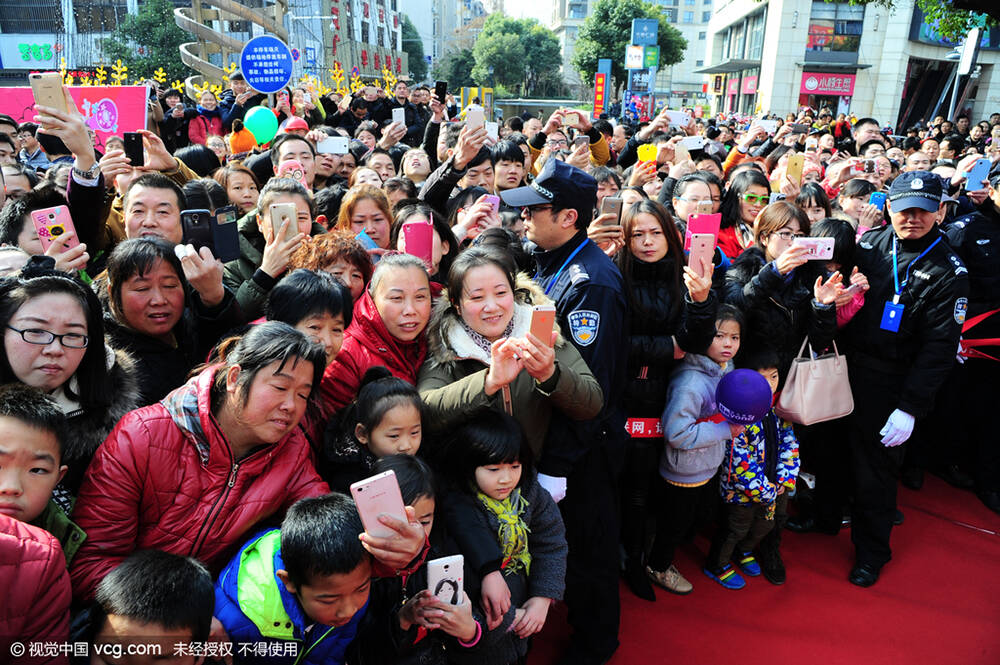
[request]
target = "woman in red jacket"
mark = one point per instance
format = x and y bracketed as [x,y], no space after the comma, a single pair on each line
[195,473]
[208,122]
[388,329]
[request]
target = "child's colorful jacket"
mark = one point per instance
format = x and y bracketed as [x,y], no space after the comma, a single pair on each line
[745,476]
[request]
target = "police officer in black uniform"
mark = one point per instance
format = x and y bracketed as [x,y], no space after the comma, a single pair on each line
[582,459]
[902,344]
[976,239]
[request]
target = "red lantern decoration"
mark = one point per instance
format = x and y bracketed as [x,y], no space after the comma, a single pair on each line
[395,20]
[381,15]
[378,61]
[364,57]
[399,65]
[366,10]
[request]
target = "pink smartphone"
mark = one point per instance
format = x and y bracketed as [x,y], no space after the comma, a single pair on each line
[375,496]
[494,201]
[820,249]
[702,223]
[543,321]
[419,240]
[50,223]
[292,168]
[702,249]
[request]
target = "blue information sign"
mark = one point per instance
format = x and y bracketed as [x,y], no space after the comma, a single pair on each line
[266,64]
[645,31]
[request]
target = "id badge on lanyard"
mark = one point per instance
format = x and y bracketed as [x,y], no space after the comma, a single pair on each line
[892,314]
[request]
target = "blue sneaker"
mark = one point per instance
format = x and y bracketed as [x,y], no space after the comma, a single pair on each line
[748,564]
[727,577]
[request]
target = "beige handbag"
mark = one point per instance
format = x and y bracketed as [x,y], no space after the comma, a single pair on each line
[816,389]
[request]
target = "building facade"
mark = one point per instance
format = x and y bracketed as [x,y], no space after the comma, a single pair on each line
[781,55]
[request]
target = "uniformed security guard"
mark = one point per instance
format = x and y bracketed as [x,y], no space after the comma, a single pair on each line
[976,239]
[901,345]
[582,459]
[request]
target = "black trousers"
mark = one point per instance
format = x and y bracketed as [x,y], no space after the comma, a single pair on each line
[874,467]
[980,390]
[825,452]
[591,514]
[642,457]
[744,527]
[683,510]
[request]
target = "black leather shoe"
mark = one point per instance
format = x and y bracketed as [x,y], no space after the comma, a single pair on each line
[991,500]
[912,477]
[638,583]
[864,575]
[771,565]
[955,477]
[898,518]
[801,524]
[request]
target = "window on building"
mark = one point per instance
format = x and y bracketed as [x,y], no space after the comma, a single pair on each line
[701,35]
[577,10]
[671,15]
[835,27]
[699,63]
[31,16]
[755,26]
[689,17]
[689,2]
[381,37]
[365,32]
[706,17]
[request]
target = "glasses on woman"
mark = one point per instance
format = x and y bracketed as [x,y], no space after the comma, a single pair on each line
[756,199]
[785,234]
[44,338]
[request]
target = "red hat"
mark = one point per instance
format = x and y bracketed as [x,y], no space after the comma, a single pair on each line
[295,123]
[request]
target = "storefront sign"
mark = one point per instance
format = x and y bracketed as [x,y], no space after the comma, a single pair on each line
[645,31]
[600,80]
[651,56]
[640,80]
[633,57]
[749,85]
[816,83]
[718,82]
[35,52]
[733,86]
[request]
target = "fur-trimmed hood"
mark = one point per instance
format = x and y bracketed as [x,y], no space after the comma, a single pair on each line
[449,342]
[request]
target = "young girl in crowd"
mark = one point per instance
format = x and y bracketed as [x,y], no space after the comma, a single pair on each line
[696,436]
[814,202]
[442,645]
[854,207]
[385,419]
[758,472]
[852,298]
[492,474]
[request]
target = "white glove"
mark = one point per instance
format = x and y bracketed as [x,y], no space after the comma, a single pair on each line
[897,429]
[554,485]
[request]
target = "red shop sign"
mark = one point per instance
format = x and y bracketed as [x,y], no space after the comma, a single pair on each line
[816,83]
[732,86]
[749,85]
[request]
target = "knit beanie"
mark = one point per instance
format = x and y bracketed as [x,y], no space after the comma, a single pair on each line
[241,140]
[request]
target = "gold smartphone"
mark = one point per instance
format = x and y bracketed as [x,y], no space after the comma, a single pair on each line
[47,87]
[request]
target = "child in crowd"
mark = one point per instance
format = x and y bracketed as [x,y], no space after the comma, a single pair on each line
[32,438]
[310,583]
[497,492]
[385,419]
[696,436]
[433,647]
[154,601]
[854,207]
[758,472]
[852,298]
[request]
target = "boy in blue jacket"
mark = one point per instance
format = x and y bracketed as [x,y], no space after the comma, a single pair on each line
[758,472]
[305,594]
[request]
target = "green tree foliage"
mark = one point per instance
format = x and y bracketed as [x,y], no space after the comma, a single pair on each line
[154,30]
[413,46]
[951,22]
[608,30]
[455,68]
[523,54]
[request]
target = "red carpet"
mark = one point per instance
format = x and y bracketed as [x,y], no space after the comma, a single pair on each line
[937,602]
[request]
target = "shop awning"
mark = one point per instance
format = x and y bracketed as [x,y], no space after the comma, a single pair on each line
[831,66]
[728,66]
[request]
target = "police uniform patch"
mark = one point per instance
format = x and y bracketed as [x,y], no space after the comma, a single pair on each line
[961,307]
[583,325]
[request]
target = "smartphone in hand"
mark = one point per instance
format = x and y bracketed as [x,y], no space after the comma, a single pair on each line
[543,320]
[444,578]
[375,496]
[50,223]
[47,88]
[820,249]
[702,249]
[279,214]
[133,148]
[612,205]
[418,240]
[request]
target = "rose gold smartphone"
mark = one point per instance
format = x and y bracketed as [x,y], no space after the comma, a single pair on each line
[543,321]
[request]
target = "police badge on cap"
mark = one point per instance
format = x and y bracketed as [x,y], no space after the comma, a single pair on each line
[915,189]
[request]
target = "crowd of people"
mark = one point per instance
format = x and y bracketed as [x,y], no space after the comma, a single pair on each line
[179,434]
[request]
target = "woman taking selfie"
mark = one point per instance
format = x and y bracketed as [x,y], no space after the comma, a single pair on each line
[672,311]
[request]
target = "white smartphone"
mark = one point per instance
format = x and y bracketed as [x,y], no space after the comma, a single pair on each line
[475,117]
[445,578]
[692,142]
[493,131]
[375,496]
[820,249]
[333,145]
[399,116]
[678,118]
[769,126]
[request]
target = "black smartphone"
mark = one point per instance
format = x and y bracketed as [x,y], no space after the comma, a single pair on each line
[799,128]
[225,234]
[441,90]
[197,227]
[133,148]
